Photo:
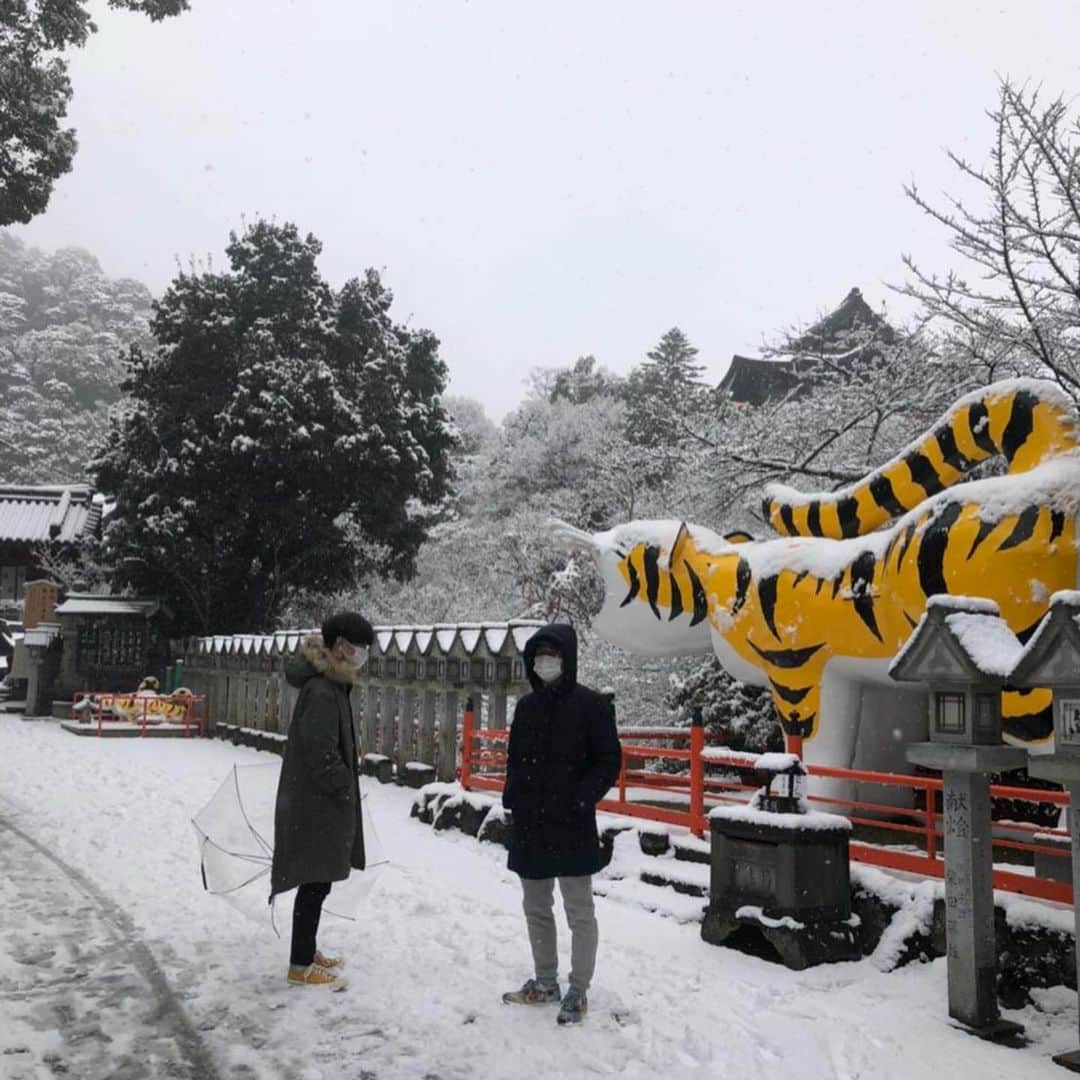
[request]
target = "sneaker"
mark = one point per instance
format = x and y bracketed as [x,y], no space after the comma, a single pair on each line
[575,1007]
[315,975]
[332,963]
[534,992]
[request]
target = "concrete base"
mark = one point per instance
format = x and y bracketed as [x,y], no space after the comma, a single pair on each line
[133,731]
[999,1031]
[799,945]
[960,757]
[382,768]
[1070,1060]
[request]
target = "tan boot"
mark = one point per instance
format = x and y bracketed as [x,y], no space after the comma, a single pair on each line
[331,963]
[316,975]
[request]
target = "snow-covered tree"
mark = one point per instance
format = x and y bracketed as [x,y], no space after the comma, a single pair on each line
[1016,307]
[735,715]
[35,151]
[63,328]
[664,392]
[280,435]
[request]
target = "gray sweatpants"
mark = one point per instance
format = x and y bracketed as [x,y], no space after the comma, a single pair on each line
[538,900]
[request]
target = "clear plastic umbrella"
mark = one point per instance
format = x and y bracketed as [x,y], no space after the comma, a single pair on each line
[236,832]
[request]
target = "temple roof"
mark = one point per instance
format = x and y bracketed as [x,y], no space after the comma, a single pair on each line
[58,513]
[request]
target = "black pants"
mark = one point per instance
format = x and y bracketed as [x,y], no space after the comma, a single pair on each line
[305,921]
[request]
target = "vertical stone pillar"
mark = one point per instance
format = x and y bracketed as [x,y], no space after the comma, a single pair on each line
[369,740]
[425,749]
[387,712]
[497,719]
[406,713]
[446,766]
[969,900]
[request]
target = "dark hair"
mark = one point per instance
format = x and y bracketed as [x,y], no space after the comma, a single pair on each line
[350,625]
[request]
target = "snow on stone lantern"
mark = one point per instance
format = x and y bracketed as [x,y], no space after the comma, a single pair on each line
[1051,659]
[786,789]
[780,871]
[963,651]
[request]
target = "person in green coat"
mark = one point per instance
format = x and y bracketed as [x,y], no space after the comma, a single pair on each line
[318,832]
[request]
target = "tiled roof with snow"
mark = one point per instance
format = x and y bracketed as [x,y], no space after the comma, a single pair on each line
[62,514]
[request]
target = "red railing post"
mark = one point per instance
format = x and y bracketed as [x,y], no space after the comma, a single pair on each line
[697,775]
[467,723]
[793,745]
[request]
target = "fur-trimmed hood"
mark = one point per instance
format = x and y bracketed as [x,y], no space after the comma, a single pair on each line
[314,658]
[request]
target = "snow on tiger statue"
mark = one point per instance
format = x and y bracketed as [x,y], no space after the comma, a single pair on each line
[817,615]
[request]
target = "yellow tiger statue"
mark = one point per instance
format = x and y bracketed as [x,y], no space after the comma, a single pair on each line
[818,614]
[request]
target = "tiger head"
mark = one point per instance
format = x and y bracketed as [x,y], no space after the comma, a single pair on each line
[668,587]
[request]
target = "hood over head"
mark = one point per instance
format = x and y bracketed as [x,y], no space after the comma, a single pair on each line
[314,658]
[564,637]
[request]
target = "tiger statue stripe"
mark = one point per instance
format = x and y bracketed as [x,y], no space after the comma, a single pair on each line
[778,612]
[1026,421]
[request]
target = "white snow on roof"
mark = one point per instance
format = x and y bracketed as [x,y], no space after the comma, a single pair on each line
[445,637]
[522,634]
[470,636]
[423,639]
[383,638]
[105,605]
[975,605]
[496,636]
[987,639]
[403,639]
[1066,597]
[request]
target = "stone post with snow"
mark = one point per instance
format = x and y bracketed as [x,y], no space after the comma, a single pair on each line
[963,651]
[1051,659]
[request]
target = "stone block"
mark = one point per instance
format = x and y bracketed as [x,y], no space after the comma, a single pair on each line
[795,944]
[379,766]
[496,827]
[416,775]
[462,814]
[654,842]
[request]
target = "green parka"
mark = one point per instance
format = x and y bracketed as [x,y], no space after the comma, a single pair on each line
[318,832]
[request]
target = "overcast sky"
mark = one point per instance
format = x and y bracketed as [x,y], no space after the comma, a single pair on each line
[545,179]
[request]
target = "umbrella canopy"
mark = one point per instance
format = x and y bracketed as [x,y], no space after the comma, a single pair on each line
[235,830]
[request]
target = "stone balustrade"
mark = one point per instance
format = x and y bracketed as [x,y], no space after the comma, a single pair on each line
[410,695]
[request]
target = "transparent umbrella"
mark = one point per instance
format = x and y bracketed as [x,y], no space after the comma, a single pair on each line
[235,830]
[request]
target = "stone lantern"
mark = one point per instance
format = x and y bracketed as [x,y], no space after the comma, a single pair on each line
[1051,659]
[962,650]
[37,641]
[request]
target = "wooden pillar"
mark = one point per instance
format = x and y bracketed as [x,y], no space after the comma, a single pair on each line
[406,712]
[387,712]
[425,748]
[497,721]
[370,737]
[446,766]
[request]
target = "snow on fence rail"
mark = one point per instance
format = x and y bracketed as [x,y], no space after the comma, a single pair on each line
[898,838]
[410,694]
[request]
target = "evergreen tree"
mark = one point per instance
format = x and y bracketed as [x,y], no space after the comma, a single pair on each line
[280,436]
[35,90]
[738,716]
[63,328]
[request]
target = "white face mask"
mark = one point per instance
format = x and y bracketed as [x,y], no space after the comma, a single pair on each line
[548,668]
[359,656]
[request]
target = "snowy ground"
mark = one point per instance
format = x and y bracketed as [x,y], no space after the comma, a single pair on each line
[115,963]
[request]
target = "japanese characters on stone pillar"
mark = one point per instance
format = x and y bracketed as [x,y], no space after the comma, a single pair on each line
[1051,658]
[963,651]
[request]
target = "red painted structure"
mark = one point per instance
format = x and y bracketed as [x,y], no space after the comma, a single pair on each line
[917,848]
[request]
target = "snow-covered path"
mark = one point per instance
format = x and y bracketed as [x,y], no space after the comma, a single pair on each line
[439,938]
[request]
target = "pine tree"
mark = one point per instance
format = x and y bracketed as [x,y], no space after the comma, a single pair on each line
[280,436]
